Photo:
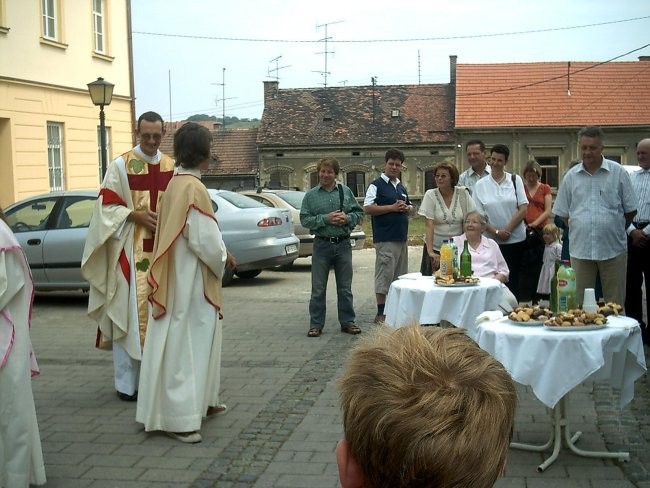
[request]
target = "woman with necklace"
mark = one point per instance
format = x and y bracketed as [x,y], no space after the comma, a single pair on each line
[445,208]
[502,198]
[538,213]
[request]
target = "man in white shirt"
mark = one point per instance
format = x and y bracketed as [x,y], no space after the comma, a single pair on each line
[638,241]
[596,200]
[478,167]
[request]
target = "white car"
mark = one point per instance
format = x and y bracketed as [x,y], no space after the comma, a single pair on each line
[292,200]
[52,230]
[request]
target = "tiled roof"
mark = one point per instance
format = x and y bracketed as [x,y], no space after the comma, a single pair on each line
[235,151]
[344,115]
[610,94]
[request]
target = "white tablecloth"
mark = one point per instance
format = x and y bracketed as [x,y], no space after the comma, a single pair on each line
[554,362]
[419,299]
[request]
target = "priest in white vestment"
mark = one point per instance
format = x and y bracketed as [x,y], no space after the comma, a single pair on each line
[21,457]
[119,249]
[181,361]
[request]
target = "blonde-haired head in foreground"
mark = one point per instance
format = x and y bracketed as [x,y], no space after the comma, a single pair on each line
[424,407]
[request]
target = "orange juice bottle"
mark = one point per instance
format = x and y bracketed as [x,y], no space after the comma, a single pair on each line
[446,259]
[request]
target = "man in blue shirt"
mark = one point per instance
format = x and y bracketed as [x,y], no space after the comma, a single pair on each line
[389,205]
[596,200]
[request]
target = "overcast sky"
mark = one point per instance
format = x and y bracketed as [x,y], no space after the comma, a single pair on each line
[398,42]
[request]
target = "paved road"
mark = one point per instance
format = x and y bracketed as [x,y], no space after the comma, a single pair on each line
[280,386]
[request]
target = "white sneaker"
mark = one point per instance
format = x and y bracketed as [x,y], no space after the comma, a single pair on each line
[186,437]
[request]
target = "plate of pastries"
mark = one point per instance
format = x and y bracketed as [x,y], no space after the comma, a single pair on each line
[578,319]
[456,280]
[529,316]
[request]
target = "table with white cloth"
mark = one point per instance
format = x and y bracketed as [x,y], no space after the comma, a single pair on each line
[416,298]
[554,362]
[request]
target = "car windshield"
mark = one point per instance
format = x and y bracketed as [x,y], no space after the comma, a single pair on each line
[240,201]
[293,198]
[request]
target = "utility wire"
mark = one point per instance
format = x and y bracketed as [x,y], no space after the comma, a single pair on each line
[415,39]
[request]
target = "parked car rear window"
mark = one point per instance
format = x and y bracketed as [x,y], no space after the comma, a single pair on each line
[293,198]
[31,215]
[240,201]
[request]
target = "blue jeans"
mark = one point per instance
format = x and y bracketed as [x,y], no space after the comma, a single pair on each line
[327,255]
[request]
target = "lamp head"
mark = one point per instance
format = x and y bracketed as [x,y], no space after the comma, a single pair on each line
[101,91]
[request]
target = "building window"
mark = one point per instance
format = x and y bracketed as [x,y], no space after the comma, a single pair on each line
[613,157]
[429,179]
[356,180]
[49,19]
[4,27]
[55,155]
[550,170]
[99,150]
[279,179]
[99,26]
[313,179]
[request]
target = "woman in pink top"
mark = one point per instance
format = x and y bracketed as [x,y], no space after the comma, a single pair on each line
[487,260]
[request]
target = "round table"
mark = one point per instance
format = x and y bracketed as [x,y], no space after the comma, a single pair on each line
[419,299]
[554,362]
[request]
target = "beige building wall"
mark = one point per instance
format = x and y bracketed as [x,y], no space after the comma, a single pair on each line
[297,167]
[44,80]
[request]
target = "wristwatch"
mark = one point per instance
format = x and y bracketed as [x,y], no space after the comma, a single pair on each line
[497,232]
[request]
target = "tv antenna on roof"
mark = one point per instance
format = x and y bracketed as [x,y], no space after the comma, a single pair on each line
[324,73]
[223,97]
[277,69]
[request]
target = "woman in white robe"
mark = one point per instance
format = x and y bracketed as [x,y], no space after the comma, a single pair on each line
[21,457]
[180,372]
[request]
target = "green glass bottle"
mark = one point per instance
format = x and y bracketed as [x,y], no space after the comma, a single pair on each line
[465,261]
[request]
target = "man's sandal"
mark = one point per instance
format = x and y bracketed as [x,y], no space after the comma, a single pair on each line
[314,332]
[351,329]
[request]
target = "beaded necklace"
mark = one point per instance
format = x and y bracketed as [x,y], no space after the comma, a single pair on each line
[443,207]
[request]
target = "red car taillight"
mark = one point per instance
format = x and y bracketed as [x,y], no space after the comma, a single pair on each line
[270,222]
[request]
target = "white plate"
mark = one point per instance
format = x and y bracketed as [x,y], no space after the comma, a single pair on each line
[456,285]
[530,323]
[575,327]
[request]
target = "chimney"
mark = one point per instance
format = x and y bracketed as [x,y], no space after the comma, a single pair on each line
[644,58]
[452,85]
[452,69]
[270,90]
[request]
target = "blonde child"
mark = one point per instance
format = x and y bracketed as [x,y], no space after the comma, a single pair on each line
[552,253]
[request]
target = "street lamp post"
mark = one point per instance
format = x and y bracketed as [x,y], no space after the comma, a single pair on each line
[101,93]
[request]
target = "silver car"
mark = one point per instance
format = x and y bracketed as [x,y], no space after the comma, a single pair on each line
[52,230]
[292,200]
[260,237]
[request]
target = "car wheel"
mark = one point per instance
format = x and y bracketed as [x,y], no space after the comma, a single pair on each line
[286,267]
[228,274]
[248,275]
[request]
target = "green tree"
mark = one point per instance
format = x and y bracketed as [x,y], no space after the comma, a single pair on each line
[201,117]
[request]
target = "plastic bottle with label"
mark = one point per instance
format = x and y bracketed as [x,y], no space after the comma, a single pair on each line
[566,287]
[455,268]
[446,260]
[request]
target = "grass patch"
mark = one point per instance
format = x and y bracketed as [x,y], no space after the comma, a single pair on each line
[417,228]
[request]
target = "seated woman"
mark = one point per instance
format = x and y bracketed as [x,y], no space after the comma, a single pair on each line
[487,260]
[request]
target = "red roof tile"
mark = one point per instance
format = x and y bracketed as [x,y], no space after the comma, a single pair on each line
[234,149]
[542,95]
